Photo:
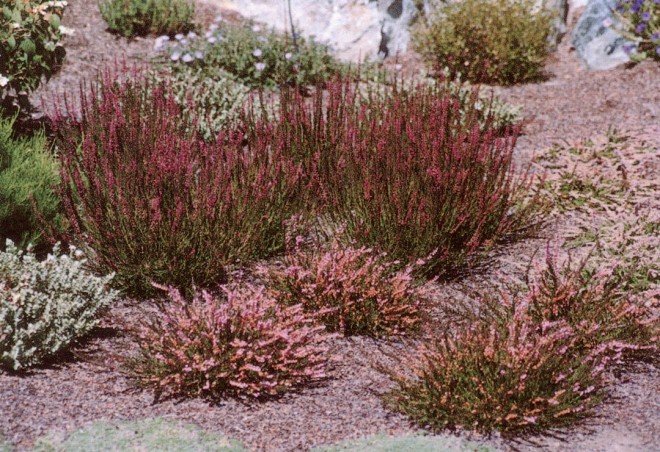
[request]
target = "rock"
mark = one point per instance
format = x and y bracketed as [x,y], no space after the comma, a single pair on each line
[355,29]
[600,47]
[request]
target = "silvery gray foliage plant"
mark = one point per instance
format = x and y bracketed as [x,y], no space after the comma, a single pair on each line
[46,305]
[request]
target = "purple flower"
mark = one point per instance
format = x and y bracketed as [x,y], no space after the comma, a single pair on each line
[627,48]
[655,36]
[646,16]
[657,50]
[640,28]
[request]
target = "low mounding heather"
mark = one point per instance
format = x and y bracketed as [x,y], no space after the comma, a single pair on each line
[407,172]
[354,291]
[153,201]
[45,306]
[243,344]
[531,361]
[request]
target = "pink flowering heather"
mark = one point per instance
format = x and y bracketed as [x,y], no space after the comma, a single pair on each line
[243,344]
[405,171]
[509,374]
[354,291]
[152,201]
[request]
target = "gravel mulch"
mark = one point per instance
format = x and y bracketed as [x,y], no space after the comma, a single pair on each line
[89,385]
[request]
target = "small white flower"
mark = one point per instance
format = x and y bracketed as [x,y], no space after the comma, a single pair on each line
[262,39]
[211,40]
[288,56]
[213,27]
[183,42]
[257,53]
[217,19]
[187,58]
[607,22]
[66,30]
[192,35]
[398,67]
[178,36]
[3,81]
[163,38]
[260,66]
[175,56]
[256,28]
[199,55]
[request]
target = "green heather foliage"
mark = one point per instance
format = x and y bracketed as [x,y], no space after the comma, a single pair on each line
[157,204]
[531,360]
[490,41]
[130,18]
[29,44]
[353,291]
[156,434]
[407,173]
[45,306]
[28,176]
[257,57]
[242,344]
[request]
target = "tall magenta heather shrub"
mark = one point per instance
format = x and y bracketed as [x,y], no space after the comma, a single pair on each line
[406,171]
[152,202]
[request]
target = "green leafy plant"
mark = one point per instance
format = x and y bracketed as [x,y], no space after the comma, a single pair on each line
[242,343]
[131,18]
[258,58]
[492,41]
[28,177]
[351,291]
[45,306]
[30,49]
[639,20]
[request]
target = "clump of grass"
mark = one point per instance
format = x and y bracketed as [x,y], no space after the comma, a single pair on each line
[131,18]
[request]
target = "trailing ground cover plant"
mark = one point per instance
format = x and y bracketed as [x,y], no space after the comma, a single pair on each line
[151,201]
[407,173]
[353,291]
[130,18]
[493,41]
[30,48]
[28,176]
[256,56]
[242,343]
[640,21]
[45,306]
[530,359]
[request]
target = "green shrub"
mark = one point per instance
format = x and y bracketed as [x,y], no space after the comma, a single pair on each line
[257,58]
[639,20]
[45,306]
[28,175]
[218,99]
[131,18]
[30,32]
[490,41]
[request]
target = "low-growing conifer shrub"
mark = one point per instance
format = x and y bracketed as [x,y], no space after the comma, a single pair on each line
[45,306]
[152,202]
[487,41]
[130,18]
[242,344]
[406,172]
[28,177]
[354,291]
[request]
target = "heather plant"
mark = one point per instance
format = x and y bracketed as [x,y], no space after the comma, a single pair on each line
[28,176]
[242,344]
[407,173]
[639,20]
[257,57]
[353,291]
[510,374]
[493,41]
[149,200]
[30,48]
[130,18]
[45,306]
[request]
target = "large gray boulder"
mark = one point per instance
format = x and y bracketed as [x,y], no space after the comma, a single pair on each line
[356,29]
[599,46]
